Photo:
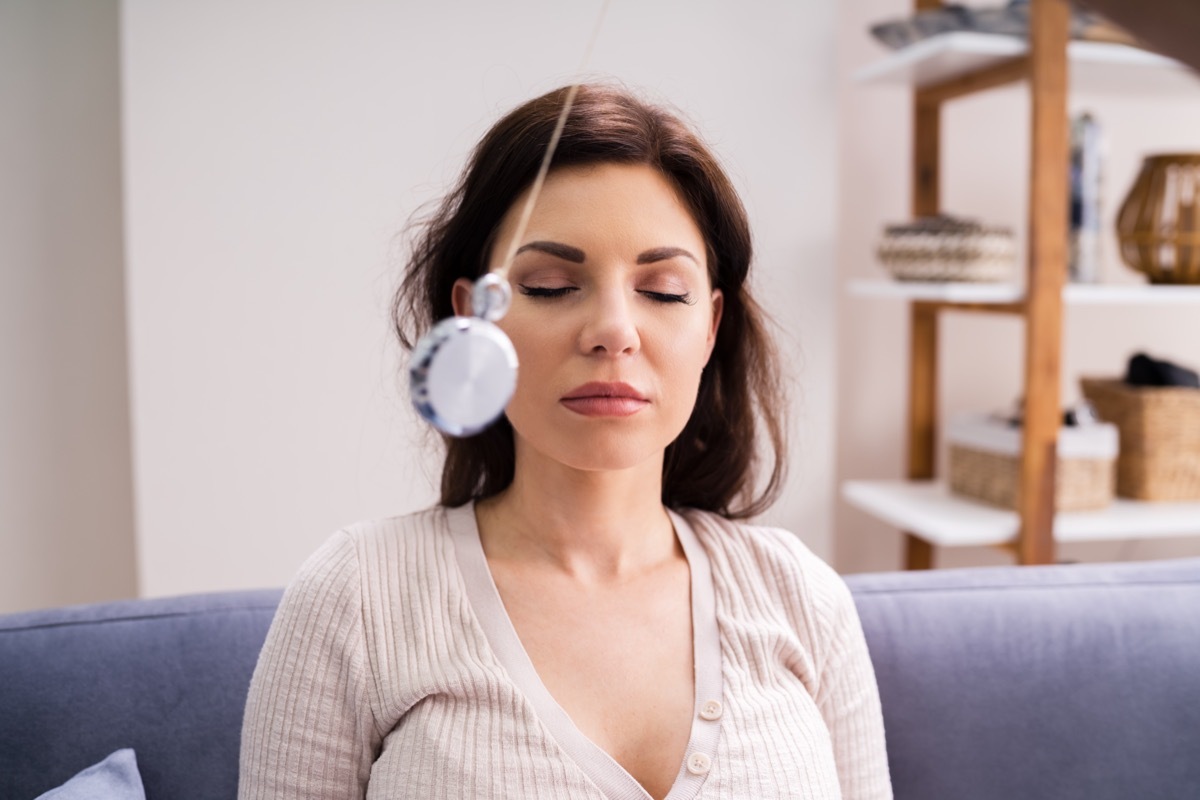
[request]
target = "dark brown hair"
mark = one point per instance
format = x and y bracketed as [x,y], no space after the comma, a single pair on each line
[715,462]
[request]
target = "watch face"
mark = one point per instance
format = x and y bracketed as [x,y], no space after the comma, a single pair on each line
[463,374]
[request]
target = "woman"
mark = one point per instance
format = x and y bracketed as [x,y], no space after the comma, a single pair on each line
[581,616]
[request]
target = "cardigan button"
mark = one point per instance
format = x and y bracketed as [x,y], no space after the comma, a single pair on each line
[698,764]
[711,710]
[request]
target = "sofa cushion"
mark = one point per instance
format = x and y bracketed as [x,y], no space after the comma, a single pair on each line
[114,778]
[166,677]
[1039,682]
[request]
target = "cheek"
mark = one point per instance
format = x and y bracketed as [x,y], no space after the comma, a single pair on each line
[686,338]
[539,347]
[679,358]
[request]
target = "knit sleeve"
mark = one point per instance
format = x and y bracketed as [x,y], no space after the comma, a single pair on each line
[848,697]
[308,730]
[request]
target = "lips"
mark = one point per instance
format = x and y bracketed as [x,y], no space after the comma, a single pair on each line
[605,400]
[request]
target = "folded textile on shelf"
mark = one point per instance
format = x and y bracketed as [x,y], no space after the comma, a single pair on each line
[1008,20]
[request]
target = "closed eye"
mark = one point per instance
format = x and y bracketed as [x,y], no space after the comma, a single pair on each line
[665,297]
[541,291]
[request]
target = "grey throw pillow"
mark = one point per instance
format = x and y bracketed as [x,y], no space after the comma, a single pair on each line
[114,778]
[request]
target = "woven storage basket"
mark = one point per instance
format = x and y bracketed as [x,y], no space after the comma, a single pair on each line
[1160,437]
[985,463]
[944,248]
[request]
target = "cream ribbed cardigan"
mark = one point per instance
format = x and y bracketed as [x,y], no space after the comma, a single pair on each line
[392,671]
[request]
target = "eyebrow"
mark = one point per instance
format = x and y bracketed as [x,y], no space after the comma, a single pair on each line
[663,253]
[556,249]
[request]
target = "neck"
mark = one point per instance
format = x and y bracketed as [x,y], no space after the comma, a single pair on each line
[593,525]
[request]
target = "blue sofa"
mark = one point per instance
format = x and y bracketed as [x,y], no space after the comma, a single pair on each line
[1038,682]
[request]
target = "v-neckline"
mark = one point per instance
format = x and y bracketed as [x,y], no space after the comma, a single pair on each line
[612,779]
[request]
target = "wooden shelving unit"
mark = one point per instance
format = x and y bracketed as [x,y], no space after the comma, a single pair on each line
[940,70]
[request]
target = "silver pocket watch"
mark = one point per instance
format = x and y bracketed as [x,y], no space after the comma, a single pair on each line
[464,370]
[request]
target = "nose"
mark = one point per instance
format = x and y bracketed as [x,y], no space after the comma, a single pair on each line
[610,327]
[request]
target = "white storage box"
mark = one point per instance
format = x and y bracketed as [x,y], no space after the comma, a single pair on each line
[985,462]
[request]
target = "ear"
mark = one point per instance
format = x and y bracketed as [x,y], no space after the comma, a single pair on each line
[718,304]
[460,297]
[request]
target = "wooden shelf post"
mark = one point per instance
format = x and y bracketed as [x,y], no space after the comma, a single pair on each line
[1049,34]
[922,416]
[923,325]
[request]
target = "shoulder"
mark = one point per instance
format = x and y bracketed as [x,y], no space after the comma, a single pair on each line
[770,551]
[403,531]
[354,556]
[773,569]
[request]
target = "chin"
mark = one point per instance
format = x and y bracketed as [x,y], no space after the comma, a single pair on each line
[608,454]
[601,451]
[611,462]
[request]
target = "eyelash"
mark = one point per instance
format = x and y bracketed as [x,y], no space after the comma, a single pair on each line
[538,291]
[661,297]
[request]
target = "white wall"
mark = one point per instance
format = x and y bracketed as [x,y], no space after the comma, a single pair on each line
[273,151]
[66,504]
[985,166]
[272,154]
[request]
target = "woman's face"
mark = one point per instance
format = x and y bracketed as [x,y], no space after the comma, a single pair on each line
[613,316]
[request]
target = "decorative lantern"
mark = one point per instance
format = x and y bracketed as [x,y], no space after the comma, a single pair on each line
[1158,226]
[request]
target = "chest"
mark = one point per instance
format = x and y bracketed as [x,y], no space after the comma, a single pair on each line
[618,661]
[480,735]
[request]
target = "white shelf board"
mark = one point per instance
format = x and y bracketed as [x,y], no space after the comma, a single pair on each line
[1073,294]
[927,508]
[1093,66]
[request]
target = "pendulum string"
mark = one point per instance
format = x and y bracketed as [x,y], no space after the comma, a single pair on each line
[536,188]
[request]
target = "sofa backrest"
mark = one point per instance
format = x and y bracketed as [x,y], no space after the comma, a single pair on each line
[1039,682]
[165,677]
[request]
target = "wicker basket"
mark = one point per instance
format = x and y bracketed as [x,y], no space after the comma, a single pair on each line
[1158,225]
[985,464]
[945,248]
[1160,437]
